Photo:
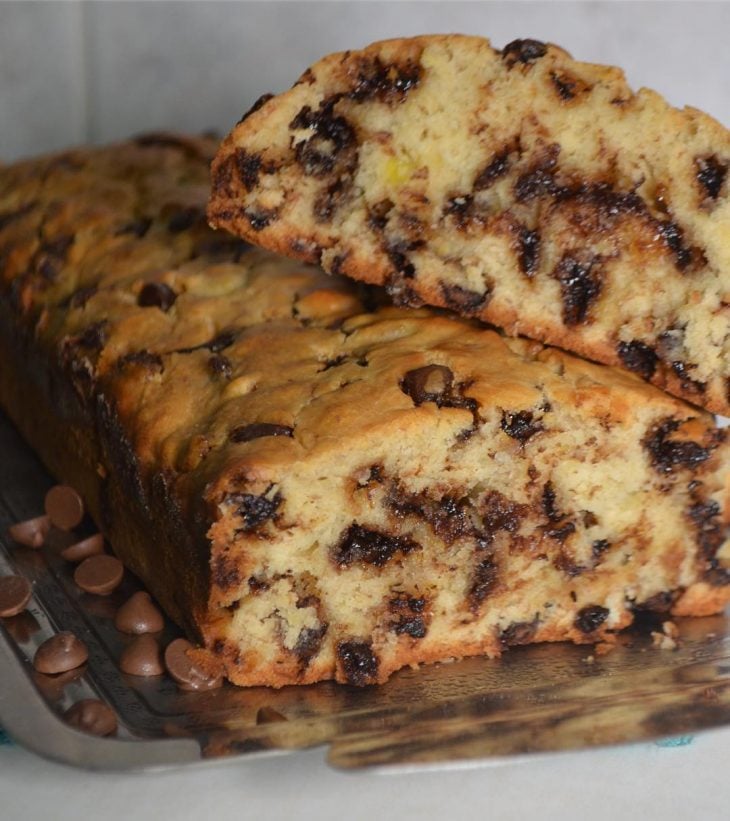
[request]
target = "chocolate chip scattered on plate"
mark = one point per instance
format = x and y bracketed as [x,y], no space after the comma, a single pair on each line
[100,575]
[15,593]
[31,532]
[60,653]
[64,506]
[92,716]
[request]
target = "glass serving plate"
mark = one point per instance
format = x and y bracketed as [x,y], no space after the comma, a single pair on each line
[534,699]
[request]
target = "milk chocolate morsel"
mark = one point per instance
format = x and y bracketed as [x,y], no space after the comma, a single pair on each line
[187,674]
[138,615]
[91,716]
[142,658]
[99,574]
[86,547]
[64,507]
[60,653]
[31,532]
[15,593]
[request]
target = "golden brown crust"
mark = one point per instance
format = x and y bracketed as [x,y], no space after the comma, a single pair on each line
[320,491]
[522,187]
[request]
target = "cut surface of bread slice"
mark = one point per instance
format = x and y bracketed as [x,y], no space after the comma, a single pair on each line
[317,490]
[519,186]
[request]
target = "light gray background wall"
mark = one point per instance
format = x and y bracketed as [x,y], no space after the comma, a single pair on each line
[72,72]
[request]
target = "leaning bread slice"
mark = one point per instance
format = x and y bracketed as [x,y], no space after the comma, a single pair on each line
[518,186]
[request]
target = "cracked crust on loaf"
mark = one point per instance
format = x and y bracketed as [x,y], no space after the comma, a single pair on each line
[520,186]
[317,487]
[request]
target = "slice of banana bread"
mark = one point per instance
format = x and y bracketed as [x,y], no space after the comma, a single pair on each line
[319,488]
[518,186]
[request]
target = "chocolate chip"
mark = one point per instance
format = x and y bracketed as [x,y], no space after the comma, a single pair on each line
[378,214]
[262,100]
[408,612]
[561,531]
[358,544]
[427,384]
[257,585]
[225,572]
[579,285]
[462,300]
[31,532]
[520,425]
[673,236]
[529,254]
[519,632]
[142,657]
[705,515]
[249,167]
[64,507]
[460,208]
[260,218]
[188,674]
[309,642]
[100,575]
[539,179]
[688,384]
[91,716]
[359,662]
[156,295]
[590,618]
[599,547]
[484,579]
[638,357]
[138,615]
[330,200]
[224,340]
[255,510]
[220,365]
[711,174]
[548,503]
[500,513]
[666,454]
[332,136]
[246,433]
[91,546]
[386,82]
[566,86]
[15,593]
[523,51]
[401,263]
[60,653]
[496,168]
[659,602]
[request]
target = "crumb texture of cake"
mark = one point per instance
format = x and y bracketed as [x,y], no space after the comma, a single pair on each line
[520,186]
[318,486]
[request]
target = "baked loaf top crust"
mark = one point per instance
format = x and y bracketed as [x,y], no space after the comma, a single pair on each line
[320,487]
[519,186]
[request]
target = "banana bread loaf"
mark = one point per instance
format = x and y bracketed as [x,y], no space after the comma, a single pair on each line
[519,186]
[316,486]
